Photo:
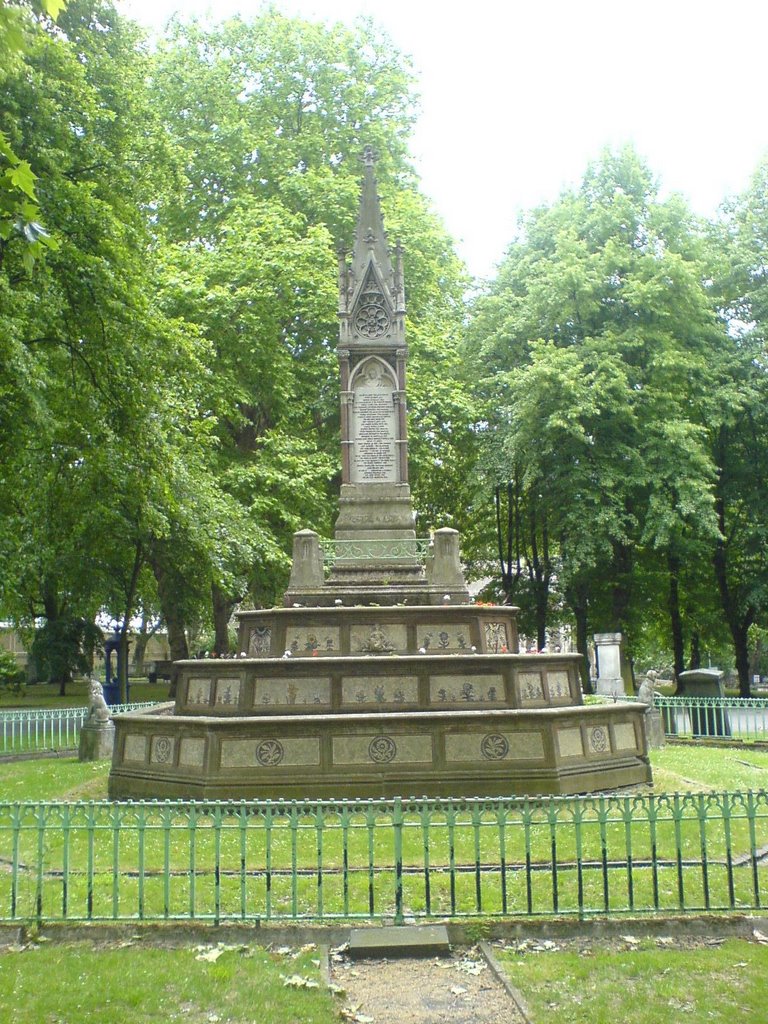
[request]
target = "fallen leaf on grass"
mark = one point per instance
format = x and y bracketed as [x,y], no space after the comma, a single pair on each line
[665,940]
[352,1013]
[336,990]
[210,955]
[630,940]
[741,963]
[760,937]
[471,966]
[298,981]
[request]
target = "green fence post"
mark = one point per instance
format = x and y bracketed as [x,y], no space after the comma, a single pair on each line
[397,826]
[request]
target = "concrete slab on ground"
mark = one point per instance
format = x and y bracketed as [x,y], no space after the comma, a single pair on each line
[400,940]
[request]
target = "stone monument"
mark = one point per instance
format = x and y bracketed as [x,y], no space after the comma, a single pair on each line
[378,677]
[97,733]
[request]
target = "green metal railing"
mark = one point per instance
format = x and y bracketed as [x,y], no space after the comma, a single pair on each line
[384,859]
[339,551]
[48,728]
[722,717]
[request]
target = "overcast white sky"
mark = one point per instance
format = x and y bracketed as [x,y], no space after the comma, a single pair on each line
[518,96]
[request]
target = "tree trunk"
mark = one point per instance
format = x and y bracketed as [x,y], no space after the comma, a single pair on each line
[223,606]
[579,606]
[675,618]
[695,661]
[57,670]
[168,589]
[739,620]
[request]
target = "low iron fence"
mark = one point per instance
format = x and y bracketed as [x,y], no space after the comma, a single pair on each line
[724,717]
[48,728]
[383,859]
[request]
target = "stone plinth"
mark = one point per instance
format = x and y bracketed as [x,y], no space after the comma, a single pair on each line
[97,741]
[424,753]
[610,682]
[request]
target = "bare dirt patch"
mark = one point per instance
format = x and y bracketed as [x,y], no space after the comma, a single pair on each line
[456,989]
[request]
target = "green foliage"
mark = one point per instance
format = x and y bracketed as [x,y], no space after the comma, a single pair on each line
[595,344]
[65,646]
[11,675]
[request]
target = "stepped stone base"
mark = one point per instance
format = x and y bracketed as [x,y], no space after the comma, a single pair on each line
[364,756]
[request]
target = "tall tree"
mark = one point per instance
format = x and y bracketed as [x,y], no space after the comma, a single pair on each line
[597,333]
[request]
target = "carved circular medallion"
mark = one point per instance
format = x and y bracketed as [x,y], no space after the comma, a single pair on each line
[162,750]
[269,753]
[372,319]
[599,739]
[382,749]
[494,746]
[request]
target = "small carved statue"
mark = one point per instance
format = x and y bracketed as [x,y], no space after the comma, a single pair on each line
[98,711]
[645,693]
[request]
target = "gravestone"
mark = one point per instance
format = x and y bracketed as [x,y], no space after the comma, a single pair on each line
[706,720]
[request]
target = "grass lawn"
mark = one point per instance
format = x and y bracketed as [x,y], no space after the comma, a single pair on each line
[46,695]
[641,982]
[124,983]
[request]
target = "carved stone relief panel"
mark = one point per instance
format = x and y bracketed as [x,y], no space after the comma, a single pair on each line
[381,749]
[599,740]
[199,691]
[362,690]
[384,639]
[260,642]
[271,752]
[444,639]
[558,686]
[228,691]
[462,689]
[161,750]
[487,747]
[284,693]
[496,641]
[304,642]
[530,687]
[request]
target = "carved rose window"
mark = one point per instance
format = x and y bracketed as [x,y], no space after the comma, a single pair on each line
[372,318]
